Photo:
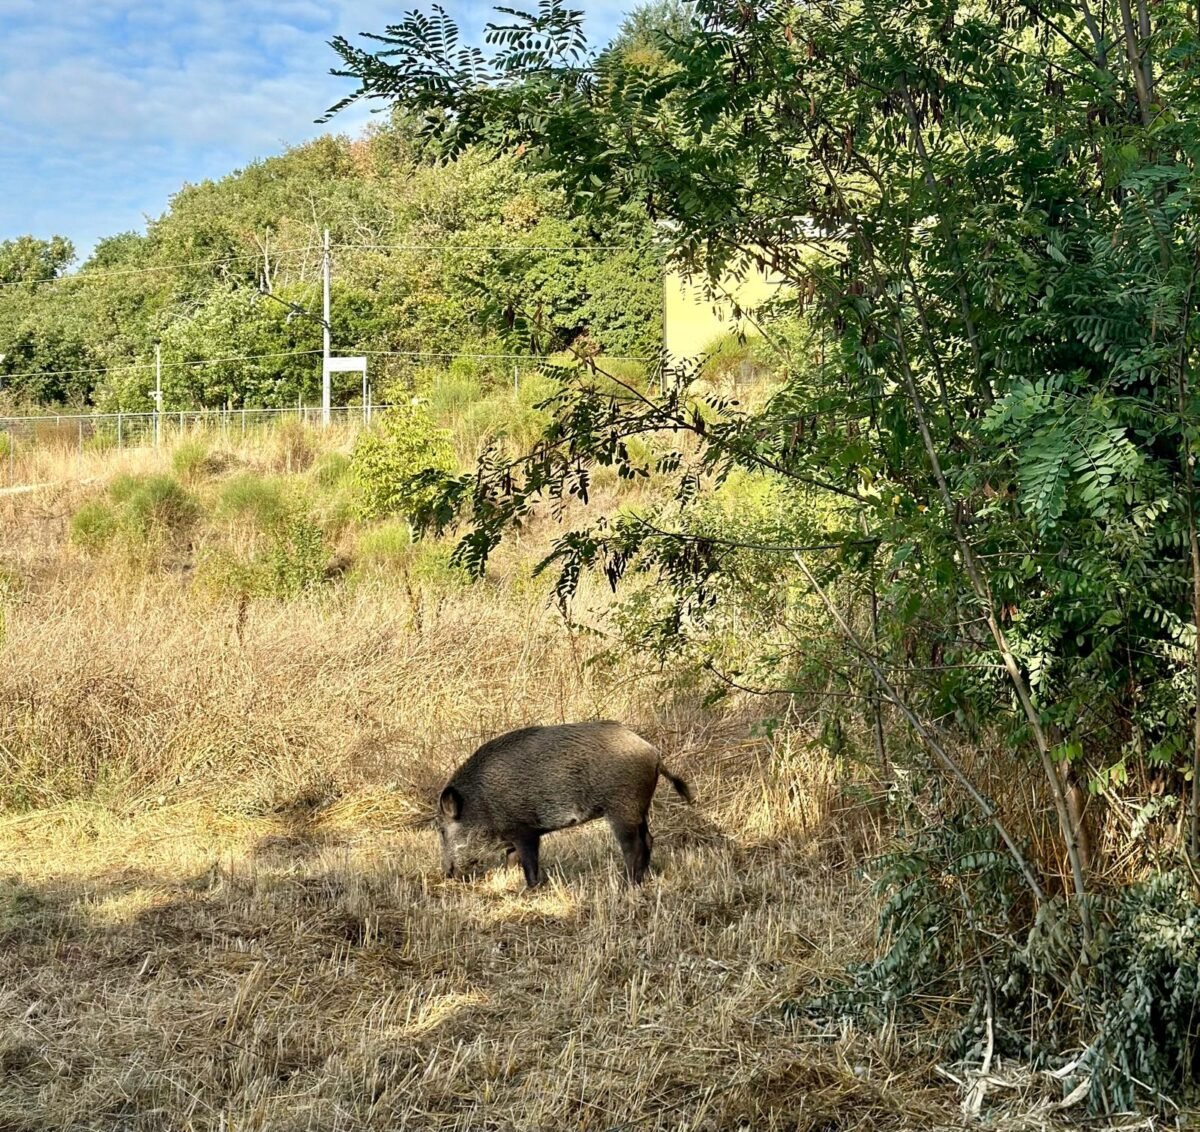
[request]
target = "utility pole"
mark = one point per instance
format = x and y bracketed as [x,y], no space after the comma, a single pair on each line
[326,381]
[157,395]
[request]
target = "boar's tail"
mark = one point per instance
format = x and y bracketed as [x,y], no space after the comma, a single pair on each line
[681,787]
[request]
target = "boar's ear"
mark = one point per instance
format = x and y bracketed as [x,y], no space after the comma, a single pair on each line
[451,803]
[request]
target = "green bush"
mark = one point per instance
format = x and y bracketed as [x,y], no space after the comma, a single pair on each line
[451,393]
[259,500]
[287,552]
[140,512]
[121,487]
[395,465]
[957,925]
[293,559]
[294,446]
[432,563]
[388,550]
[101,440]
[297,558]
[157,504]
[507,416]
[192,460]
[8,446]
[93,526]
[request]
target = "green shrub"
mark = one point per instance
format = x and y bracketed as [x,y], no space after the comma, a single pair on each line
[157,504]
[451,393]
[297,558]
[192,460]
[259,500]
[287,553]
[121,487]
[293,560]
[957,926]
[432,563]
[395,466]
[508,416]
[101,440]
[139,513]
[8,446]
[388,550]
[93,526]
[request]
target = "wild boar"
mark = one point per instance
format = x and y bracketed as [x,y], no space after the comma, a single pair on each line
[530,782]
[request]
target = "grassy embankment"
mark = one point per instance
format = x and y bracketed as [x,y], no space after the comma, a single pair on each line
[225,708]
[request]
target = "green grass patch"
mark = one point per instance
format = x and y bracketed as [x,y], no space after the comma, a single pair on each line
[261,501]
[193,460]
[94,525]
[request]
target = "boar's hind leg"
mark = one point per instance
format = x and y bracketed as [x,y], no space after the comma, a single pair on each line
[525,849]
[635,841]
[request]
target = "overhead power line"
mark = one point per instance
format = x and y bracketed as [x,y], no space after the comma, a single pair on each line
[131,366]
[152,267]
[221,261]
[496,247]
[492,357]
[150,365]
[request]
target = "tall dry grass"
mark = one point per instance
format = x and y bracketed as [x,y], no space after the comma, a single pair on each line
[220,906]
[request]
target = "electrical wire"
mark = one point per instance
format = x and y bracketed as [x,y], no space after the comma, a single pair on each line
[493,357]
[165,365]
[221,261]
[145,269]
[530,358]
[496,247]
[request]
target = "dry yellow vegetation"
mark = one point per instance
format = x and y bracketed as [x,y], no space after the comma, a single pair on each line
[220,905]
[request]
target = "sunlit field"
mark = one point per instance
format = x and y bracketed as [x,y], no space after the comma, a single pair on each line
[220,898]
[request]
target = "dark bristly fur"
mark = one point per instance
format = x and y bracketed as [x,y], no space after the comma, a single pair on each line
[527,783]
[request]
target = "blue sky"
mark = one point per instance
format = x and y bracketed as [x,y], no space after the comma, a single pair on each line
[106,109]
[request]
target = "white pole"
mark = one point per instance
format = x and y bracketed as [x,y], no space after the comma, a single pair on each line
[157,395]
[326,391]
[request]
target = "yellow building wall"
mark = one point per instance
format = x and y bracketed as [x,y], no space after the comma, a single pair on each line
[692,322]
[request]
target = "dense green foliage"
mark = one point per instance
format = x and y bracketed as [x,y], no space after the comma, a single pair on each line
[951,901]
[390,465]
[986,215]
[471,257]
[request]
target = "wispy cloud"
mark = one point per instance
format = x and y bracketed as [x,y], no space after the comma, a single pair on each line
[107,108]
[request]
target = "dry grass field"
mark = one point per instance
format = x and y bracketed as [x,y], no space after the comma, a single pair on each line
[220,903]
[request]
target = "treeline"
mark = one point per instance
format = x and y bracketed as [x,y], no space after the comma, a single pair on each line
[475,256]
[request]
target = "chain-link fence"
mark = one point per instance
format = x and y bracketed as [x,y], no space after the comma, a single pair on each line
[99,432]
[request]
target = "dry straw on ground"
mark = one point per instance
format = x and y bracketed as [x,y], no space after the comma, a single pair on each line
[219,908]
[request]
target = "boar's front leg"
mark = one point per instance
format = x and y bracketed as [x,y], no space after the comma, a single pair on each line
[525,849]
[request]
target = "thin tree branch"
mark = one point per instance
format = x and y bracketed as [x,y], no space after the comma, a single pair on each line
[945,760]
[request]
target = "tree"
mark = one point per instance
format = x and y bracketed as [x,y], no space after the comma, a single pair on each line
[30,260]
[987,215]
[428,258]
